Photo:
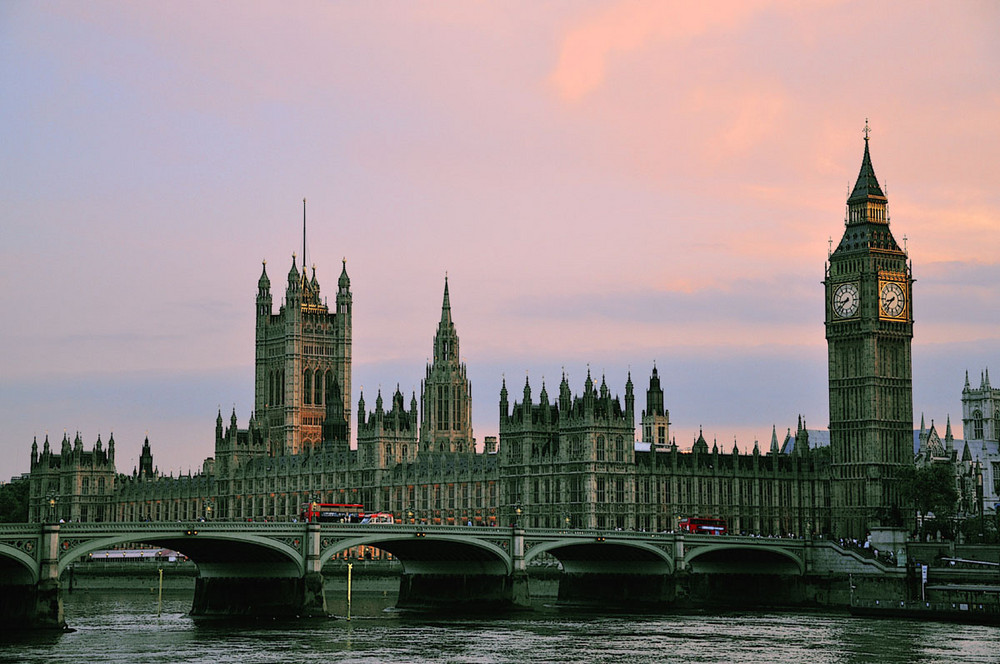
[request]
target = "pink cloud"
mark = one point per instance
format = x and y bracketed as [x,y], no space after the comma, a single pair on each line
[630,26]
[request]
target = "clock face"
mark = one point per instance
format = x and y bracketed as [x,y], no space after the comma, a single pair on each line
[845,300]
[892,300]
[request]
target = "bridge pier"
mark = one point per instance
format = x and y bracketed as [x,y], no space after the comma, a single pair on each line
[604,589]
[29,604]
[472,584]
[270,597]
[48,601]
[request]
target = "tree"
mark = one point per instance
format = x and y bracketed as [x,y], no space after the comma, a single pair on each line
[931,488]
[14,502]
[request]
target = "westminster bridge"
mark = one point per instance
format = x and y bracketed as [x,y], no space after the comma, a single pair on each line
[267,569]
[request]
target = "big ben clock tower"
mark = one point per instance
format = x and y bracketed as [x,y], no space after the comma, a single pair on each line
[869,326]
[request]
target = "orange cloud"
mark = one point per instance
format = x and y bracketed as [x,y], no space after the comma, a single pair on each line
[630,26]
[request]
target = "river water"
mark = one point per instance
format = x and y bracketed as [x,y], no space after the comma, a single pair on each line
[123,626]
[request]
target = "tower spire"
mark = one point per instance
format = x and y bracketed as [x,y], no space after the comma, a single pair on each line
[304,236]
[866,187]
[446,303]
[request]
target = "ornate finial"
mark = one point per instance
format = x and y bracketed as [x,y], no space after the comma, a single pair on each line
[904,244]
[829,251]
[867,130]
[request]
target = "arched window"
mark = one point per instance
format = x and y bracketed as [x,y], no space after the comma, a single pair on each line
[600,448]
[977,425]
[307,387]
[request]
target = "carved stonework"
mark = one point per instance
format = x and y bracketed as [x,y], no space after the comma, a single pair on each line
[26,545]
[293,542]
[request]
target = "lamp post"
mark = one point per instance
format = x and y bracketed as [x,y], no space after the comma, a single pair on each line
[517,515]
[409,516]
[52,508]
[568,521]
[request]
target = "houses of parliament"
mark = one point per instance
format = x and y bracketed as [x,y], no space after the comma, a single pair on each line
[570,459]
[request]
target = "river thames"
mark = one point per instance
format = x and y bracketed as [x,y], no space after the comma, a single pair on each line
[123,626]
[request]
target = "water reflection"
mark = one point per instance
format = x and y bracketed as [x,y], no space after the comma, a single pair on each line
[123,627]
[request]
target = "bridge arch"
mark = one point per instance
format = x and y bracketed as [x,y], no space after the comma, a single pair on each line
[636,556]
[17,566]
[424,552]
[213,552]
[745,559]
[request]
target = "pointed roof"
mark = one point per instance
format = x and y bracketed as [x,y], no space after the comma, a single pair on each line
[700,445]
[867,185]
[446,304]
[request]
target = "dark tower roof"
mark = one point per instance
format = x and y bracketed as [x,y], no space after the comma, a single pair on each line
[867,223]
[867,185]
[446,304]
[264,283]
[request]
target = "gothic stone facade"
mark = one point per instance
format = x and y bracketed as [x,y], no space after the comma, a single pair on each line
[569,462]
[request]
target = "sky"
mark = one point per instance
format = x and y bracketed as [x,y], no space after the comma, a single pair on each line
[607,185]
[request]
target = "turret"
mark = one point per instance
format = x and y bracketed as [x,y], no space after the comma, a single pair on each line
[949,439]
[263,295]
[344,292]
[565,396]
[504,404]
[146,461]
[294,282]
[630,399]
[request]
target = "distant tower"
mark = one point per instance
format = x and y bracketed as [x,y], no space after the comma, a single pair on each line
[981,410]
[656,418]
[146,461]
[869,327]
[445,393]
[303,357]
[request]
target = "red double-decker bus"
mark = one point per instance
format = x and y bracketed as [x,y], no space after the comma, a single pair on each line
[332,512]
[703,526]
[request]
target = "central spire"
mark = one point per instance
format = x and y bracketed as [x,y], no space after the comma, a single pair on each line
[446,303]
[867,186]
